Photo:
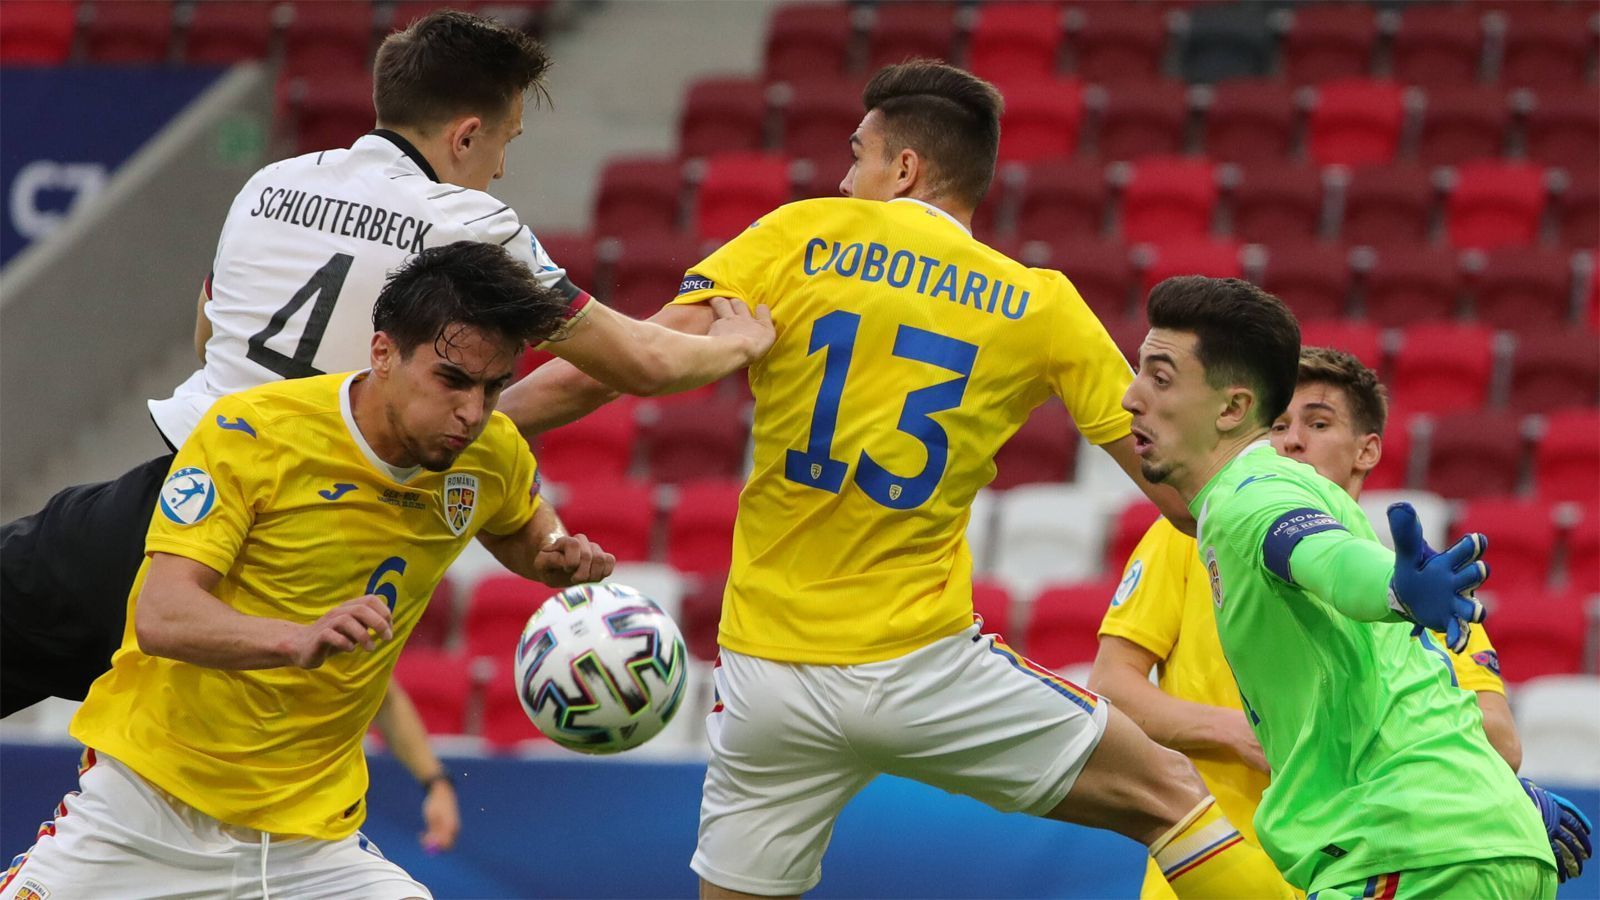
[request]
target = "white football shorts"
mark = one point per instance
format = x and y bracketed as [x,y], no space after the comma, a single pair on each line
[791,744]
[122,836]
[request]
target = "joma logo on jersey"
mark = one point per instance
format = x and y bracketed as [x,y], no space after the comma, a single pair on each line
[460,496]
[1214,575]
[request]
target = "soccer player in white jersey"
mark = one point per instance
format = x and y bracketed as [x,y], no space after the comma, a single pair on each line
[302,255]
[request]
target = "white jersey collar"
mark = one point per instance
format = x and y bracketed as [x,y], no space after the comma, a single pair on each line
[400,476]
[406,148]
[923,203]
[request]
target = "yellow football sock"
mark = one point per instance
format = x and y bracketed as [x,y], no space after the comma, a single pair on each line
[1204,856]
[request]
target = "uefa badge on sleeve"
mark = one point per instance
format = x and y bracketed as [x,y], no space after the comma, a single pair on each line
[188,496]
[460,497]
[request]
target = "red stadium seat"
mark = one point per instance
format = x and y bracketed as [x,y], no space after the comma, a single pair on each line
[595,448]
[1393,470]
[1567,463]
[1387,205]
[648,270]
[992,601]
[1250,121]
[1583,552]
[439,685]
[693,438]
[1041,120]
[1143,118]
[1134,520]
[1522,288]
[638,196]
[1061,198]
[437,626]
[1118,41]
[1579,212]
[723,115]
[1044,449]
[619,515]
[702,613]
[328,35]
[405,12]
[818,120]
[1495,204]
[1274,203]
[1356,122]
[1360,339]
[1463,123]
[505,722]
[1555,367]
[1314,279]
[1065,625]
[1439,45]
[124,32]
[1474,454]
[496,611]
[576,254]
[1216,258]
[1537,635]
[1564,129]
[37,32]
[1100,270]
[332,112]
[738,189]
[808,40]
[1443,368]
[1413,284]
[1329,41]
[1548,48]
[1015,42]
[223,32]
[700,526]
[1522,542]
[1169,199]
[908,30]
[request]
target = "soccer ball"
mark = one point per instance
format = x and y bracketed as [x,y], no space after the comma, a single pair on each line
[600,668]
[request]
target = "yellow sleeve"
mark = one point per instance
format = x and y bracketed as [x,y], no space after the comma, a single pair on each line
[741,268]
[522,498]
[222,478]
[1147,608]
[1087,371]
[1478,666]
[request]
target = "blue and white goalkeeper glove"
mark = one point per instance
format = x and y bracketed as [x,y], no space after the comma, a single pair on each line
[1567,826]
[1434,590]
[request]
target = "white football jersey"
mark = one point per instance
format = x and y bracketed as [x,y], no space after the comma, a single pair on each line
[304,252]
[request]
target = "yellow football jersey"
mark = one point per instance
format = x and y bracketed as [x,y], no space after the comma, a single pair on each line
[907,353]
[277,490]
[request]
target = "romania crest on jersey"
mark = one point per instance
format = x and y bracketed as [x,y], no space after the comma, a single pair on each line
[460,496]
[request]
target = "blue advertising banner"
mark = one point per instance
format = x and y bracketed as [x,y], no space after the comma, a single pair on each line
[67,129]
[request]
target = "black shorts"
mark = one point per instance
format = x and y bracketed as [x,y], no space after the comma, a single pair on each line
[65,574]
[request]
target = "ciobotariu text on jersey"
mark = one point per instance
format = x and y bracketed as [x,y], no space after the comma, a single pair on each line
[873,262]
[344,217]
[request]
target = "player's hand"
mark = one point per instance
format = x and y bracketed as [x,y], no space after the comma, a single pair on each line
[442,814]
[346,627]
[1434,590]
[1567,827]
[1240,738]
[571,559]
[735,319]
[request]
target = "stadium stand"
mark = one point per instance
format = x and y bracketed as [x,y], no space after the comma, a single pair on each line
[1250,120]
[1356,122]
[1439,45]
[1013,43]
[440,685]
[1064,621]
[128,32]
[1276,202]
[618,514]
[597,447]
[1042,451]
[1328,42]
[1522,550]
[638,195]
[37,32]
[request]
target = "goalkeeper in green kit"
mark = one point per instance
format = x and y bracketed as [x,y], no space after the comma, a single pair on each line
[1383,784]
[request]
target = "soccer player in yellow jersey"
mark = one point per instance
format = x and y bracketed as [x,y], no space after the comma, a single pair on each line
[1161,616]
[907,353]
[303,527]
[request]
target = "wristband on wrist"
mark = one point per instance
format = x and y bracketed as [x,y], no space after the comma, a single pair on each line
[428,783]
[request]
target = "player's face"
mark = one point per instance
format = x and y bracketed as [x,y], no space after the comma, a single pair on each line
[484,158]
[871,176]
[437,403]
[1174,410]
[1318,430]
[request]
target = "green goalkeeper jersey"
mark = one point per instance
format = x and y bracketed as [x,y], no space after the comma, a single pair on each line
[1379,763]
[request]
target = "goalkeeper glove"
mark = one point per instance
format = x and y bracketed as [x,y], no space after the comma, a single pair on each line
[1567,827]
[1434,590]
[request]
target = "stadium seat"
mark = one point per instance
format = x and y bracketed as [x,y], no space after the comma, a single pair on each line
[647,271]
[1041,120]
[1169,199]
[1356,122]
[1567,462]
[1060,199]
[1128,333]
[1495,204]
[1131,524]
[1329,41]
[1143,118]
[1579,213]
[992,601]
[1313,278]
[1049,532]
[1583,551]
[1042,450]
[439,684]
[595,448]
[818,119]
[1522,288]
[1360,339]
[1273,203]
[619,515]
[808,40]
[1549,48]
[738,189]
[437,627]
[1522,543]
[1015,42]
[1433,512]
[1387,205]
[1463,123]
[1558,727]
[700,526]
[323,36]
[128,32]
[1250,121]
[332,112]
[1444,367]
[638,196]
[1537,636]
[37,32]
[1223,41]
[691,438]
[1438,45]
[1100,270]
[908,30]
[1118,41]
[1474,454]
[1412,284]
[1216,258]
[1393,471]
[496,611]
[1064,626]
[505,722]
[1555,367]
[224,32]
[576,254]
[1564,129]
[723,115]
[702,613]
[404,12]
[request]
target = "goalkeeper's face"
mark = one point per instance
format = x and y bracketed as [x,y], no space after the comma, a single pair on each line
[1319,430]
[1175,410]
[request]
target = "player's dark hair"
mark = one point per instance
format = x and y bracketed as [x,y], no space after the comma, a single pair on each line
[467,283]
[949,116]
[1245,335]
[449,64]
[1369,399]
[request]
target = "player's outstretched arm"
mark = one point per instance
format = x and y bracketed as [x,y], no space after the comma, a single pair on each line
[543,551]
[648,358]
[402,729]
[1165,498]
